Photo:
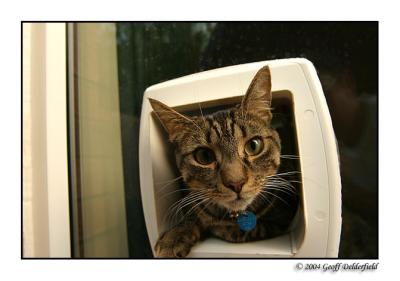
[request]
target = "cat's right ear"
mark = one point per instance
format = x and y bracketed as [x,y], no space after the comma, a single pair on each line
[258,97]
[174,123]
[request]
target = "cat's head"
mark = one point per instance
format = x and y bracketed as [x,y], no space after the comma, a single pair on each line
[227,157]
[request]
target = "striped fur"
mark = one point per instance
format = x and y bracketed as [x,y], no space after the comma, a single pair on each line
[226,133]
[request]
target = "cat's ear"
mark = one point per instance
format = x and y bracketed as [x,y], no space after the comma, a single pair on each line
[258,97]
[174,123]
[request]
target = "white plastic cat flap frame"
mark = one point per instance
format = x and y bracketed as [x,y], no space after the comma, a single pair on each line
[316,232]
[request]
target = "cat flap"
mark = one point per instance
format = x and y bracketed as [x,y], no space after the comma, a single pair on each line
[316,231]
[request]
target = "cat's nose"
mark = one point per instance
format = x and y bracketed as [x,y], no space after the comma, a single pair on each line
[235,185]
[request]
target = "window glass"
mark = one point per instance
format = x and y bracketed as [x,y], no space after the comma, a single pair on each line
[111,65]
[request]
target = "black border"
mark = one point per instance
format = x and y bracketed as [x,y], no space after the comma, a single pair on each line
[22,140]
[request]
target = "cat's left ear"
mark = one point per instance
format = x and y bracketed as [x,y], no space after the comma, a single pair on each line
[258,97]
[175,124]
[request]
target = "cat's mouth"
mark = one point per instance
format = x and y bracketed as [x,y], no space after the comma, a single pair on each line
[240,202]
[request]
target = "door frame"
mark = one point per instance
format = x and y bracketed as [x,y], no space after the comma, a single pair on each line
[46,212]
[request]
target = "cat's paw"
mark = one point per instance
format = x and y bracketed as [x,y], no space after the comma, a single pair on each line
[174,244]
[176,250]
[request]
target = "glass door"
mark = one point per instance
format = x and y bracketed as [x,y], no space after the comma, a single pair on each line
[111,64]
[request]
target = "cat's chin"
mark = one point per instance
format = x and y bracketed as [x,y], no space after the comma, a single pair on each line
[237,205]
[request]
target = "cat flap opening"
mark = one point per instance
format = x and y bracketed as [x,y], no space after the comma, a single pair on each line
[301,114]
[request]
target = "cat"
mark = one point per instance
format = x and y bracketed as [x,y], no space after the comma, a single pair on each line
[229,161]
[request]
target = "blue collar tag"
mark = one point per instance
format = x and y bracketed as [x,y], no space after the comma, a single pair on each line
[247,221]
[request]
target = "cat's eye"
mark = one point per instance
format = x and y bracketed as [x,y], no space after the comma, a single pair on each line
[254,146]
[204,156]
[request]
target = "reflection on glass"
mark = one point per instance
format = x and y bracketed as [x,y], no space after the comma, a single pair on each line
[99,223]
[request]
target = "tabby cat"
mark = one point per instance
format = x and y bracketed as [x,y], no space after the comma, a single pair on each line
[229,161]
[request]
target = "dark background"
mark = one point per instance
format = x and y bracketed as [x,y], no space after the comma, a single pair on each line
[345,55]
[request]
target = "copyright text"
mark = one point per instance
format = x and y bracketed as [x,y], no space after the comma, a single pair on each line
[335,267]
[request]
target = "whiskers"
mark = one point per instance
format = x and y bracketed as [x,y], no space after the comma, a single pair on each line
[191,201]
[167,183]
[276,184]
[289,156]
